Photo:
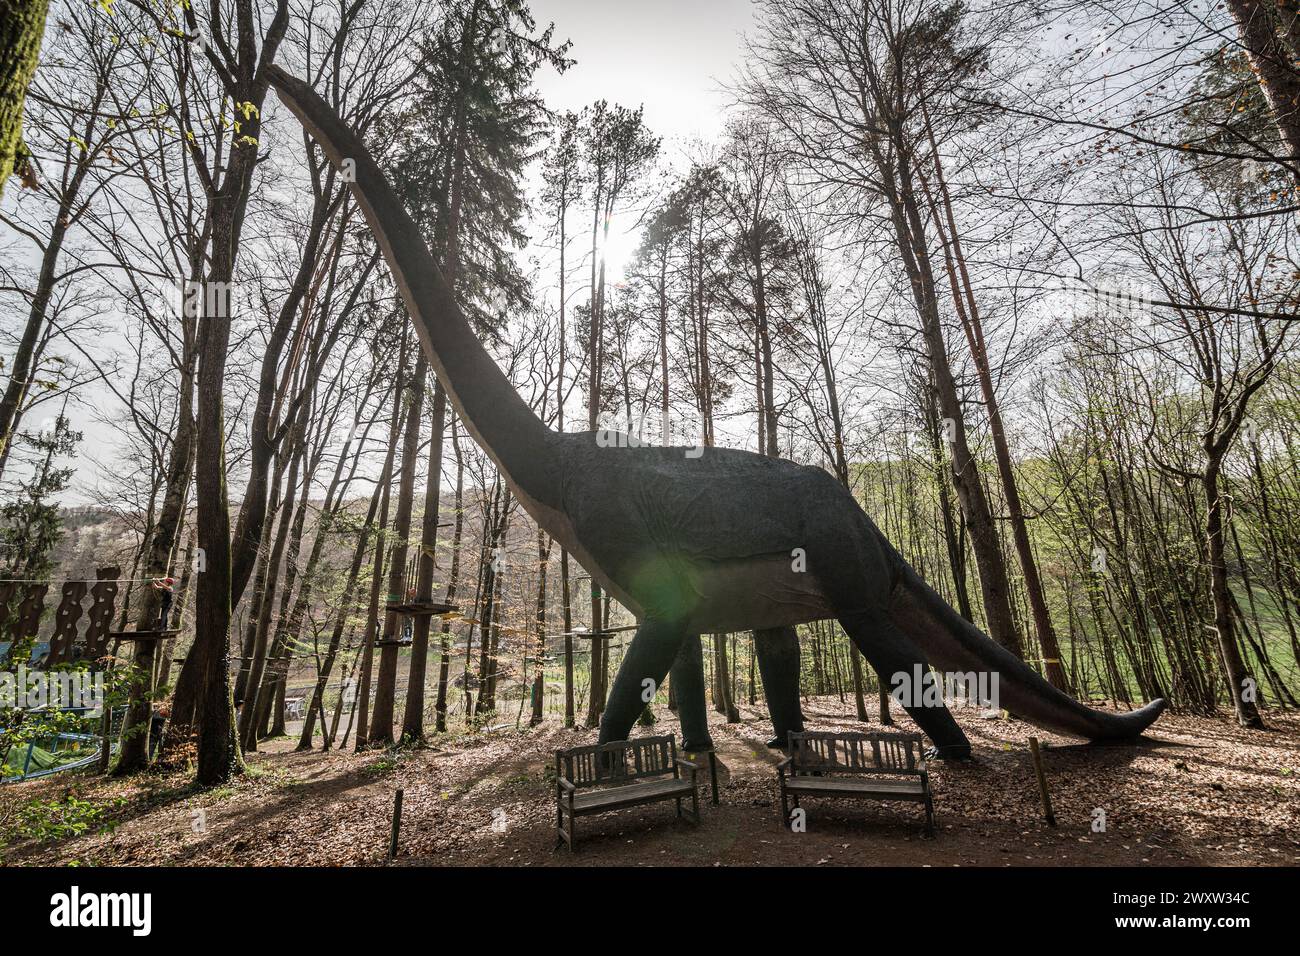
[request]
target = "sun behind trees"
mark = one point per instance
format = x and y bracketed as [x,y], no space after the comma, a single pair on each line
[1025,284]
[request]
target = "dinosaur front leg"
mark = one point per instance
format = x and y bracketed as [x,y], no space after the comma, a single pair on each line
[687,675]
[777,649]
[648,657]
[891,652]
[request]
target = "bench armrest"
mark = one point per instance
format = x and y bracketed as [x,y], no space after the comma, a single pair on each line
[563,784]
[692,768]
[783,766]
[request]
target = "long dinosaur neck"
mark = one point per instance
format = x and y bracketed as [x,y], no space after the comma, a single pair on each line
[497,417]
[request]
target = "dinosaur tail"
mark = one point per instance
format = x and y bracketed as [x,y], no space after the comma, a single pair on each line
[954,644]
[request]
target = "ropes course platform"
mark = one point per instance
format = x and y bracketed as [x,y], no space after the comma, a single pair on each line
[422,608]
[605,635]
[143,635]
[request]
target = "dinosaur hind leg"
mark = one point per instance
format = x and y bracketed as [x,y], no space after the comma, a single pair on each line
[891,652]
[687,675]
[649,657]
[777,649]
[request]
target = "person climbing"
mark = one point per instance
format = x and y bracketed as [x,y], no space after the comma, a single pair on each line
[165,585]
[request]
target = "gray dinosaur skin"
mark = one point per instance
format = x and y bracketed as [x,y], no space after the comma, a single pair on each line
[693,541]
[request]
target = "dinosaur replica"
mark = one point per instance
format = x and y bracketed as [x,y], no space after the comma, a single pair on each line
[707,542]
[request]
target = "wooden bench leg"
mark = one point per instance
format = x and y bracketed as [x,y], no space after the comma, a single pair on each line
[560,835]
[679,807]
[785,806]
[929,818]
[695,804]
[573,839]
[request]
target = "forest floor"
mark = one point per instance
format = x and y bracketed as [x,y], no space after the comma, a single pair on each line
[1199,791]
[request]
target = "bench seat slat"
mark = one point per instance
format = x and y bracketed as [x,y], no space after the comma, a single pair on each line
[598,801]
[857,786]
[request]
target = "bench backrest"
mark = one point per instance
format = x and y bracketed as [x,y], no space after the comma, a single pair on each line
[621,761]
[856,753]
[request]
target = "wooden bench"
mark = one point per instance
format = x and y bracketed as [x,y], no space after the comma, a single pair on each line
[626,773]
[879,766]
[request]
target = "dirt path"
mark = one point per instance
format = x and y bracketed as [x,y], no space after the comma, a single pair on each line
[1202,791]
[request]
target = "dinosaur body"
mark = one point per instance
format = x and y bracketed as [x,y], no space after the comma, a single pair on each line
[694,541]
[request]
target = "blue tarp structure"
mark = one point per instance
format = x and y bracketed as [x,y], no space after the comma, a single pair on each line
[39,650]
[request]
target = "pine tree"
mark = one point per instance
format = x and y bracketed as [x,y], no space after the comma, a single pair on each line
[472,126]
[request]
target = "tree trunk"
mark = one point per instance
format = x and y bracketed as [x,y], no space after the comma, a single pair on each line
[453,583]
[20,45]
[265,431]
[332,733]
[968,313]
[1241,686]
[910,241]
[413,718]
[214,709]
[381,720]
[597,658]
[133,754]
[218,756]
[255,693]
[727,704]
[539,664]
[362,708]
[1259,23]
[340,619]
[164,673]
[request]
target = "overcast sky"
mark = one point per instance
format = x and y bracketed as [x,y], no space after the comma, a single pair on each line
[671,55]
